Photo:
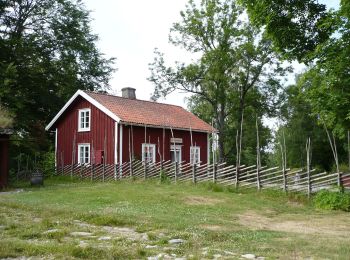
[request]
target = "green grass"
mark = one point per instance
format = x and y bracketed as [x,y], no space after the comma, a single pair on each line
[211,219]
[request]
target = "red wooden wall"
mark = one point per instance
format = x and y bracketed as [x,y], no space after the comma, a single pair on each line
[101,126]
[4,160]
[153,134]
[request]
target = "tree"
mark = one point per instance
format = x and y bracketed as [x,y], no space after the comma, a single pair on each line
[234,60]
[47,52]
[296,28]
[299,123]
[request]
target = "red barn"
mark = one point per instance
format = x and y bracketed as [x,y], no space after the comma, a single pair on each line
[93,127]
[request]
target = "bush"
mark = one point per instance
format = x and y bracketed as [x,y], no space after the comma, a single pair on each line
[332,200]
[47,163]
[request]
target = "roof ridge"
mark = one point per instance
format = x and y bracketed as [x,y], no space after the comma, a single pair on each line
[148,101]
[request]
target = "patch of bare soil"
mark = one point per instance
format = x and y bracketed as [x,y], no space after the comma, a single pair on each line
[200,200]
[317,225]
[213,227]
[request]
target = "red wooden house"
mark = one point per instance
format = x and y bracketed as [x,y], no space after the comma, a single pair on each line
[93,127]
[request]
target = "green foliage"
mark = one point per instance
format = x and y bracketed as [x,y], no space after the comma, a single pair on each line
[47,163]
[164,177]
[299,124]
[214,187]
[332,200]
[6,120]
[47,52]
[295,27]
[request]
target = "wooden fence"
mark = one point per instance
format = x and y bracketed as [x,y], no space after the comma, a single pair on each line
[226,175]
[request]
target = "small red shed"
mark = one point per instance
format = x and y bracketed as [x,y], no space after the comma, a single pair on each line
[4,156]
[94,127]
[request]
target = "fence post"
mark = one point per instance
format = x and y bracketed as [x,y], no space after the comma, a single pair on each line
[92,172]
[131,168]
[237,176]
[194,170]
[145,170]
[161,170]
[215,168]
[258,182]
[103,170]
[285,184]
[176,170]
[309,183]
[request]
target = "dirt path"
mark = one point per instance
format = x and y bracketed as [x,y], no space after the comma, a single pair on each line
[337,226]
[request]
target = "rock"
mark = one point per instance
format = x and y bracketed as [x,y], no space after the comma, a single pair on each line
[104,238]
[81,234]
[83,244]
[150,246]
[176,241]
[51,231]
[248,256]
[229,253]
[260,258]
[216,256]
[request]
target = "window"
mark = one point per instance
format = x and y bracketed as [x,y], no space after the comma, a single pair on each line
[195,155]
[149,153]
[175,152]
[84,153]
[84,119]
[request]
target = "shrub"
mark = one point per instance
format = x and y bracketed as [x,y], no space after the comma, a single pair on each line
[332,200]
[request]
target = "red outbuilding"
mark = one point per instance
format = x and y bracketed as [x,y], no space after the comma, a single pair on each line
[93,127]
[4,156]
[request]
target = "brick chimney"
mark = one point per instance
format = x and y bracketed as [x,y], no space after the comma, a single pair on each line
[129,93]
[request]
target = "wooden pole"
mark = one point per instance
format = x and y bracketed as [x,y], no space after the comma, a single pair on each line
[194,177]
[130,155]
[258,162]
[237,161]
[215,168]
[284,161]
[308,145]
[62,163]
[104,157]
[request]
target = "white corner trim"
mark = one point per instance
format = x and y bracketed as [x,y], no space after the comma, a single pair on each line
[115,142]
[120,144]
[56,136]
[88,98]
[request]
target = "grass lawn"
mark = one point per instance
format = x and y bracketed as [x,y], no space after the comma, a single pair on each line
[137,219]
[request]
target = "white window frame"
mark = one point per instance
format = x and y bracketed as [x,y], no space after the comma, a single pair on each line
[84,129]
[197,150]
[177,148]
[153,146]
[80,159]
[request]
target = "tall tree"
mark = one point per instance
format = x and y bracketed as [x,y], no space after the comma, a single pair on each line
[234,59]
[47,52]
[296,28]
[299,123]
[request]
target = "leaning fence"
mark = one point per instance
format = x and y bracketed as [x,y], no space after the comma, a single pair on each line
[307,181]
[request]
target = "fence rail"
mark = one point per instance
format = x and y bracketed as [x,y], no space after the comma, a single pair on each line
[248,176]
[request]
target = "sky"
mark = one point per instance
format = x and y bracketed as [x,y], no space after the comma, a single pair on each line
[130,30]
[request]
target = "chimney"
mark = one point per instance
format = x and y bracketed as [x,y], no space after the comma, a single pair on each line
[129,93]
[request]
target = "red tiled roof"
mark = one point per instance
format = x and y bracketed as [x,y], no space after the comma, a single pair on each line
[150,113]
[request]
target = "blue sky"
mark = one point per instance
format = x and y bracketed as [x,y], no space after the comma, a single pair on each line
[130,30]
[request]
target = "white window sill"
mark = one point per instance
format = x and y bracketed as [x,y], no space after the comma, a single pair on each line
[84,130]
